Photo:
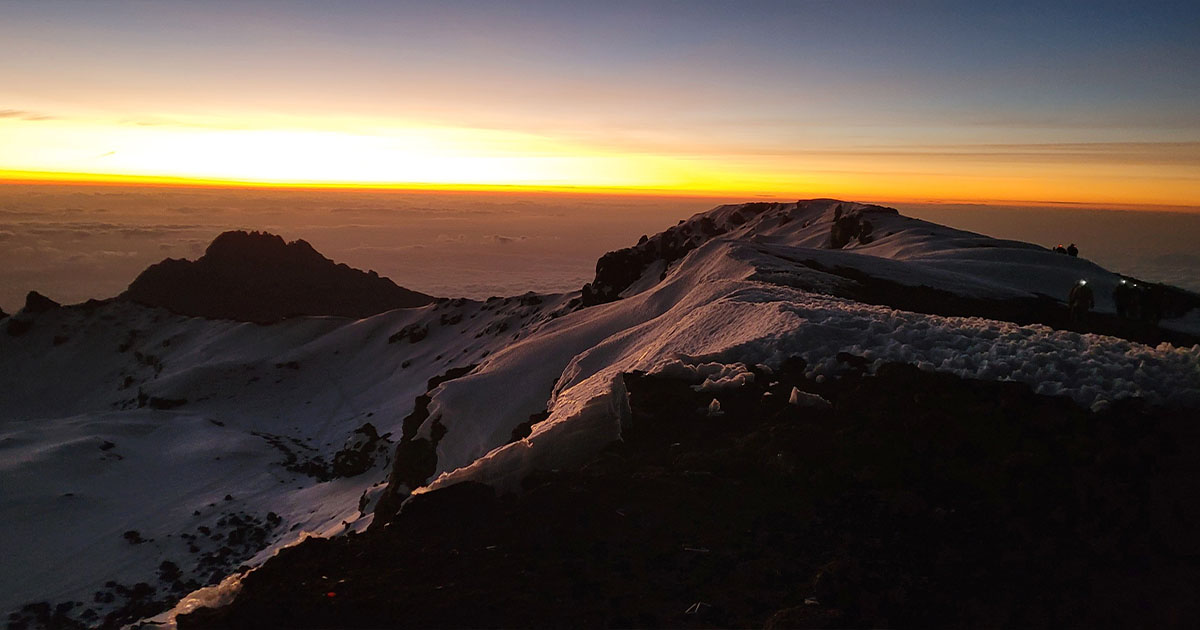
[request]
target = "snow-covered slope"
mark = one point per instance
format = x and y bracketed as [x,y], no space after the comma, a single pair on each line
[119,418]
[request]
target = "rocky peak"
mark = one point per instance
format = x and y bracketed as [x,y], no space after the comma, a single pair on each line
[238,247]
[37,303]
[259,277]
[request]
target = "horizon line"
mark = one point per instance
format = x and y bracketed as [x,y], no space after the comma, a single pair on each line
[13,177]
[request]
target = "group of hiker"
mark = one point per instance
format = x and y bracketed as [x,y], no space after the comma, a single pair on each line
[1132,301]
[1069,250]
[1138,301]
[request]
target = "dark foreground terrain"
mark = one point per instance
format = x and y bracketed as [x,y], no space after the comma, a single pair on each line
[916,500]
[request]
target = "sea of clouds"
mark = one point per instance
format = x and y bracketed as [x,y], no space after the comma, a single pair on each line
[73,243]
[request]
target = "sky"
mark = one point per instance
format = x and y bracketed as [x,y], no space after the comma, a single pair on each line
[1090,102]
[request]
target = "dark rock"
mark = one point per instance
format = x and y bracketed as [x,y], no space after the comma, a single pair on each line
[412,333]
[843,231]
[919,500]
[257,277]
[525,429]
[531,299]
[358,456]
[155,402]
[169,571]
[415,459]
[617,270]
[449,375]
[851,225]
[415,462]
[17,326]
[413,421]
[853,361]
[37,303]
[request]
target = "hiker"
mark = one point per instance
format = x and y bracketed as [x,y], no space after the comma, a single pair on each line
[1151,300]
[1060,249]
[1125,298]
[1072,251]
[1080,301]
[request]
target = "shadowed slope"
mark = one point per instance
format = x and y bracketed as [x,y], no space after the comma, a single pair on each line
[909,499]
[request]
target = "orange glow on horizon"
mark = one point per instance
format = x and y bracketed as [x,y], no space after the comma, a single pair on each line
[732,196]
[382,155]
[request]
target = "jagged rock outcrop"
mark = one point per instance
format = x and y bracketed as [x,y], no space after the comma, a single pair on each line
[37,303]
[851,226]
[618,270]
[22,322]
[415,459]
[359,453]
[257,277]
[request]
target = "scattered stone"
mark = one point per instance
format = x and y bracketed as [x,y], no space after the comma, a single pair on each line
[411,333]
[17,326]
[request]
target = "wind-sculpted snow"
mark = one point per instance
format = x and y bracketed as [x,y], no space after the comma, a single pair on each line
[715,307]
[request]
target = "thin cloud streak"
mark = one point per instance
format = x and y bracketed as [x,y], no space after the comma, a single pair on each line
[25,115]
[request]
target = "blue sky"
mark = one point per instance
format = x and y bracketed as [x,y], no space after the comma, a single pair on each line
[668,78]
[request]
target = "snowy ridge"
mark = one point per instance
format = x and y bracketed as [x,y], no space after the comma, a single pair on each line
[884,244]
[714,306]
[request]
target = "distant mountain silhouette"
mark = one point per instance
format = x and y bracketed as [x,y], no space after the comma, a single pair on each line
[37,303]
[257,277]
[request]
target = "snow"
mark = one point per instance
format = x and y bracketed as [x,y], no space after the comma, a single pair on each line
[742,298]
[65,501]
[714,308]
[806,399]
